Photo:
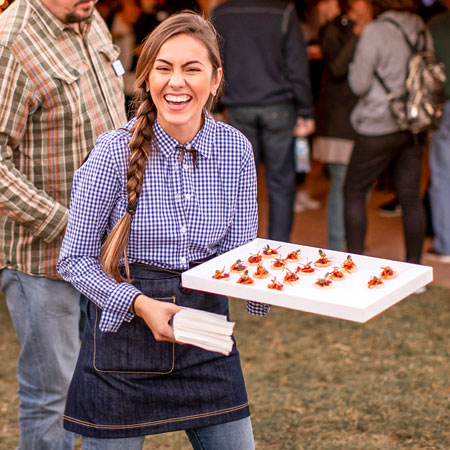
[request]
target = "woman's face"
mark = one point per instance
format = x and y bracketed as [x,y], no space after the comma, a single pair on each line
[361,9]
[180,83]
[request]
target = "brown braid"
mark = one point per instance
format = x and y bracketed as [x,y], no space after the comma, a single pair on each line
[116,243]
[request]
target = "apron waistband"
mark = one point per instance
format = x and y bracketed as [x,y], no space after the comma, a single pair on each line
[173,271]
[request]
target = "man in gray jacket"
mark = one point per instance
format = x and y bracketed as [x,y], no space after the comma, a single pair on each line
[268,94]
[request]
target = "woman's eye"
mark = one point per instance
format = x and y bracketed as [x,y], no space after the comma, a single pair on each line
[193,69]
[162,69]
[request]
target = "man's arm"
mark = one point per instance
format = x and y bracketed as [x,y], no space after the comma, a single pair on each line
[20,199]
[297,67]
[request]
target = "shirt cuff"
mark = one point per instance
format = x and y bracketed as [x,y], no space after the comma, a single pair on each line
[54,224]
[257,309]
[117,308]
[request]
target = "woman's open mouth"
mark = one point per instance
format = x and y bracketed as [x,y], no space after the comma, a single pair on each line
[177,102]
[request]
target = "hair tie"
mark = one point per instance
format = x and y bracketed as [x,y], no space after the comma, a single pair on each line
[131,210]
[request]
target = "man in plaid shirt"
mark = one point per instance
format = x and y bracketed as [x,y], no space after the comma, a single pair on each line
[60,87]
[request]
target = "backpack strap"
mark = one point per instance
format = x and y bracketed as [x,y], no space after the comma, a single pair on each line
[421,36]
[384,85]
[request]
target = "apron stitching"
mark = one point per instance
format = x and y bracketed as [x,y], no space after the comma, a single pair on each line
[156,422]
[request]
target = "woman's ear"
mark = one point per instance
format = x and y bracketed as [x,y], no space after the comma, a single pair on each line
[216,82]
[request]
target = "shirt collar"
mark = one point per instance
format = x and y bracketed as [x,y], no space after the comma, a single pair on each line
[53,24]
[203,141]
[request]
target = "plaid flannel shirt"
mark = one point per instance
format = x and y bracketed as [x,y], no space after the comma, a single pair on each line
[59,92]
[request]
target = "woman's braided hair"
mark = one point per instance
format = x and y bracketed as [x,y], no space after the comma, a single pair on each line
[143,138]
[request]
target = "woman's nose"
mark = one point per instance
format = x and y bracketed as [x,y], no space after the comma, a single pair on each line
[177,79]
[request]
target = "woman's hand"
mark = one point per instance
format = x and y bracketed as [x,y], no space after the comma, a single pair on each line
[156,315]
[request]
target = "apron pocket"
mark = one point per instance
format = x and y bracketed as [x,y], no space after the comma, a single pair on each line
[132,349]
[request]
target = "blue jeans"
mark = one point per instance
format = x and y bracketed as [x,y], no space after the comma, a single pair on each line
[269,130]
[45,314]
[439,190]
[335,206]
[237,435]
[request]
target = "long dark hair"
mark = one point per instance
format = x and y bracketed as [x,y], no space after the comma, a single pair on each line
[143,137]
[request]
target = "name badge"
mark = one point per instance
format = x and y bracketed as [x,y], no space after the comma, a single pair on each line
[118,68]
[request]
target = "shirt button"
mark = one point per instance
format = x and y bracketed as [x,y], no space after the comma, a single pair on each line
[177,197]
[188,196]
[188,146]
[183,229]
[183,260]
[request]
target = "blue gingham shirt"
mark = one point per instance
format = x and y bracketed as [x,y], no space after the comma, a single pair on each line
[182,214]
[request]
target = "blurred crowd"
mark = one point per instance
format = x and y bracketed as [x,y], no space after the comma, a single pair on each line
[330,32]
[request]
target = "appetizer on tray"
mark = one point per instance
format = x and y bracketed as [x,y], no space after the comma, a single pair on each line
[254,260]
[269,252]
[237,267]
[305,269]
[388,273]
[261,272]
[323,283]
[349,265]
[293,256]
[221,275]
[245,279]
[276,285]
[375,282]
[323,260]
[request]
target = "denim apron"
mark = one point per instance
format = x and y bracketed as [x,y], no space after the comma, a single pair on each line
[126,384]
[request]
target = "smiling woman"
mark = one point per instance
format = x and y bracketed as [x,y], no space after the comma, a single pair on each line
[172,188]
[180,83]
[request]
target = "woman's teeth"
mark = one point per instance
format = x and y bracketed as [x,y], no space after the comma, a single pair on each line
[177,98]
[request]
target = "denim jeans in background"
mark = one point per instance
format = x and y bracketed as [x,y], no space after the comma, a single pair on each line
[269,130]
[45,314]
[335,206]
[439,190]
[236,435]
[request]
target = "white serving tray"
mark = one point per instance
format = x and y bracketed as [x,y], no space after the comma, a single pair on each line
[349,299]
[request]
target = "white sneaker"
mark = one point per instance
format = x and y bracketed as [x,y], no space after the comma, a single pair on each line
[305,202]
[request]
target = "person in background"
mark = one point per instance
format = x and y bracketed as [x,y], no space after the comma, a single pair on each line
[155,11]
[425,9]
[439,155]
[313,15]
[122,31]
[334,138]
[151,16]
[62,86]
[268,93]
[379,142]
[170,189]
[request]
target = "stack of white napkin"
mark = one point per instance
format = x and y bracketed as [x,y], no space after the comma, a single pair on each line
[203,329]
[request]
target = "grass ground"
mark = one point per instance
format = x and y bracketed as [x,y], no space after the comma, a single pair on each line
[321,383]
